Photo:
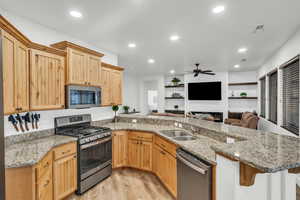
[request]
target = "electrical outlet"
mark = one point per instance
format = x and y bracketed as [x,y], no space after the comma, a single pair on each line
[134,121]
[230,140]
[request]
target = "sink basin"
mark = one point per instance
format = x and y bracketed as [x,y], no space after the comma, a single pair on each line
[184,138]
[175,133]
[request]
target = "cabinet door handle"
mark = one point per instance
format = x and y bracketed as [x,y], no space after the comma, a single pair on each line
[162,152]
[47,183]
[46,165]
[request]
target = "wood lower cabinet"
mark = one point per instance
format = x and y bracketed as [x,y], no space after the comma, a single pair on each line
[146,155]
[134,153]
[48,180]
[65,176]
[47,81]
[120,149]
[15,74]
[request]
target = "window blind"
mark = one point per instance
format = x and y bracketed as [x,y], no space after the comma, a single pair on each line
[273,97]
[290,96]
[263,97]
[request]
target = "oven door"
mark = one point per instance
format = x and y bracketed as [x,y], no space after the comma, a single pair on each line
[83,97]
[95,156]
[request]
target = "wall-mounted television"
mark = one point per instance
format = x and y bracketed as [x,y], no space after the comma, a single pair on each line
[205,91]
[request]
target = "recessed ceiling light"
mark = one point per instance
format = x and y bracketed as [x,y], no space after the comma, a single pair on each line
[236,66]
[76,14]
[242,50]
[151,61]
[131,45]
[218,9]
[172,71]
[174,38]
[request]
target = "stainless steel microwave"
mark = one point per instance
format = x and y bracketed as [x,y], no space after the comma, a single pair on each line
[82,96]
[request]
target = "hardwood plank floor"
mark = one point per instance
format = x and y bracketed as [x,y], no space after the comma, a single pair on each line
[127,184]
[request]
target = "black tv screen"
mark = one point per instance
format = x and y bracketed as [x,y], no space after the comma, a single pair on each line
[205,91]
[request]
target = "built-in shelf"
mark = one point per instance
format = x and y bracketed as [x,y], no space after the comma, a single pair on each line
[245,83]
[242,97]
[175,86]
[174,97]
[175,111]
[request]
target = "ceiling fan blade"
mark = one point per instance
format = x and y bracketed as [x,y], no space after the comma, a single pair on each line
[208,73]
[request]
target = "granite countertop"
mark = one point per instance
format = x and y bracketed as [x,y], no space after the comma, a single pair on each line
[29,153]
[199,147]
[266,151]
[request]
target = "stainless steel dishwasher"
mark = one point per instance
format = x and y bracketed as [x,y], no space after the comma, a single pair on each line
[194,177]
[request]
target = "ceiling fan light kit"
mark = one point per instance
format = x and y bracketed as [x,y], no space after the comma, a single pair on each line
[198,71]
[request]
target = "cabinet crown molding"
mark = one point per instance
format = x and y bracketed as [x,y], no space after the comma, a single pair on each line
[110,66]
[65,44]
[12,30]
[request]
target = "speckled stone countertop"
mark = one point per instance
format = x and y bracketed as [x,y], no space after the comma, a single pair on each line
[266,151]
[29,153]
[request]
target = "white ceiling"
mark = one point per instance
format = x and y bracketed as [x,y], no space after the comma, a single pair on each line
[210,39]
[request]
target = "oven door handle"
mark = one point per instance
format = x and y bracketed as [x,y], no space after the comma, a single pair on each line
[189,164]
[85,146]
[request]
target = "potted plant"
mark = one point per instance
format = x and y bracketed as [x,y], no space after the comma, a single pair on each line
[175,81]
[243,94]
[126,109]
[115,108]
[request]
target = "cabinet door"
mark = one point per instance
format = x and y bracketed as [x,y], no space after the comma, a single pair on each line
[106,87]
[171,173]
[9,81]
[94,70]
[116,84]
[45,187]
[146,155]
[134,155]
[119,149]
[22,77]
[65,177]
[77,67]
[47,81]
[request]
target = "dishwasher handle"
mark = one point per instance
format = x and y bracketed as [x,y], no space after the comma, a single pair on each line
[191,165]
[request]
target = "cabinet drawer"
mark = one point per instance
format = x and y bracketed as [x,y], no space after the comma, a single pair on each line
[45,187]
[166,145]
[137,135]
[45,165]
[65,150]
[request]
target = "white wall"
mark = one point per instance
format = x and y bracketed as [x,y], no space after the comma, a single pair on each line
[131,91]
[44,35]
[289,50]
[242,105]
[209,106]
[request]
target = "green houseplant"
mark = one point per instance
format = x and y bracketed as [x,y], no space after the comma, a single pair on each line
[126,109]
[115,108]
[175,81]
[243,94]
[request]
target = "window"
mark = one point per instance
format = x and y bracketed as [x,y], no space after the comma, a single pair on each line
[263,97]
[273,97]
[290,96]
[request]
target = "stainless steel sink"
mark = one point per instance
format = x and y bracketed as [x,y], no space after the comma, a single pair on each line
[175,133]
[184,138]
[178,135]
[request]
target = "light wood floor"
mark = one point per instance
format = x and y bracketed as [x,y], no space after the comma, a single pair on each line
[127,184]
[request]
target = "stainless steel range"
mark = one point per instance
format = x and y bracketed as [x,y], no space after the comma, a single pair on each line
[94,149]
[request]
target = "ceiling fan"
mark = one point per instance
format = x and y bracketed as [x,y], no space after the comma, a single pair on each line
[198,71]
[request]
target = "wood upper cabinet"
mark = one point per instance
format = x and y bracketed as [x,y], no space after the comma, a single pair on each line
[119,149]
[105,87]
[15,75]
[116,84]
[112,86]
[83,64]
[77,67]
[94,70]
[47,81]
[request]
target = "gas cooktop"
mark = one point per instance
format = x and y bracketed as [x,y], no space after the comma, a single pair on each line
[82,131]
